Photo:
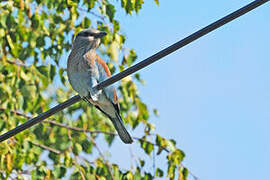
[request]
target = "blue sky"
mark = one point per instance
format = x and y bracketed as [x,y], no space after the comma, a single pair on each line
[213,95]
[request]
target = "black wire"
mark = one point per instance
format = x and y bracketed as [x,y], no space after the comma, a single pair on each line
[180,43]
[40,118]
[138,66]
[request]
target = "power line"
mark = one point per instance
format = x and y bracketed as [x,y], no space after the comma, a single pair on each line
[138,66]
[181,43]
[40,118]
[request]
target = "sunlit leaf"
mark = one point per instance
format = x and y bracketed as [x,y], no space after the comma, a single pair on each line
[110,11]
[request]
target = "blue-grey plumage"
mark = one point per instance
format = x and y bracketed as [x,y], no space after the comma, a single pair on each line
[86,69]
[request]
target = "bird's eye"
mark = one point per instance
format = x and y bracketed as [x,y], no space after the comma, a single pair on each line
[85,34]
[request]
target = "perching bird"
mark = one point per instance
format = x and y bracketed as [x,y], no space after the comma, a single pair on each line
[86,69]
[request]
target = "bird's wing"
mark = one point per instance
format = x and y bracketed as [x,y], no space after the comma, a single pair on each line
[105,74]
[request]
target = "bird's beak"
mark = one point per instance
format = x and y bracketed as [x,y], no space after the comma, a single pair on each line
[100,34]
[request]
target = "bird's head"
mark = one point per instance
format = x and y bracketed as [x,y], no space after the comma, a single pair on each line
[89,38]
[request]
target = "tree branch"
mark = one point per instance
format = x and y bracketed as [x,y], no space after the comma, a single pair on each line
[16,113]
[85,131]
[78,129]
[81,129]
[40,118]
[90,12]
[189,172]
[99,132]
[46,147]
[16,62]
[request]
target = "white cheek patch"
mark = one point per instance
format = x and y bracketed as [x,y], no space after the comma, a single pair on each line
[91,38]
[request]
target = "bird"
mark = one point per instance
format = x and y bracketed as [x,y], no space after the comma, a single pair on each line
[85,69]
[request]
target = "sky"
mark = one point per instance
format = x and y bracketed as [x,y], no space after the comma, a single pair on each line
[213,96]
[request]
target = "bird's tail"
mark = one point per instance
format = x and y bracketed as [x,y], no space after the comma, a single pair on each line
[120,128]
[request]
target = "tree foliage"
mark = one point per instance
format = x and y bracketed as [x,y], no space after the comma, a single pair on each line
[35,38]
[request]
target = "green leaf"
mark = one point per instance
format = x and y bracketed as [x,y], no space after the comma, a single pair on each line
[138,5]
[67,160]
[2,33]
[40,41]
[138,77]
[52,71]
[10,42]
[20,159]
[57,19]
[142,162]
[132,56]
[54,157]
[77,148]
[109,139]
[10,22]
[148,147]
[148,176]
[116,172]
[171,171]
[159,173]
[75,176]
[3,148]
[130,6]
[123,3]
[87,146]
[3,19]
[178,156]
[61,72]
[43,70]
[185,173]
[35,21]
[161,142]
[86,23]
[155,111]
[113,51]
[110,11]
[91,4]
[116,26]
[59,171]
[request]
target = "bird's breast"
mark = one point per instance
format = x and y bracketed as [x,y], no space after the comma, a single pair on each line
[80,82]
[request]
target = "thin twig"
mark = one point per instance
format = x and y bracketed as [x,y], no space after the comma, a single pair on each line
[16,62]
[40,118]
[90,12]
[26,172]
[81,129]
[154,161]
[189,172]
[103,157]
[91,138]
[193,175]
[132,157]
[99,132]
[154,144]
[17,113]
[46,147]
[78,129]
[76,161]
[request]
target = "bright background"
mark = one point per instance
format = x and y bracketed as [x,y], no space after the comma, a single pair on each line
[213,95]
